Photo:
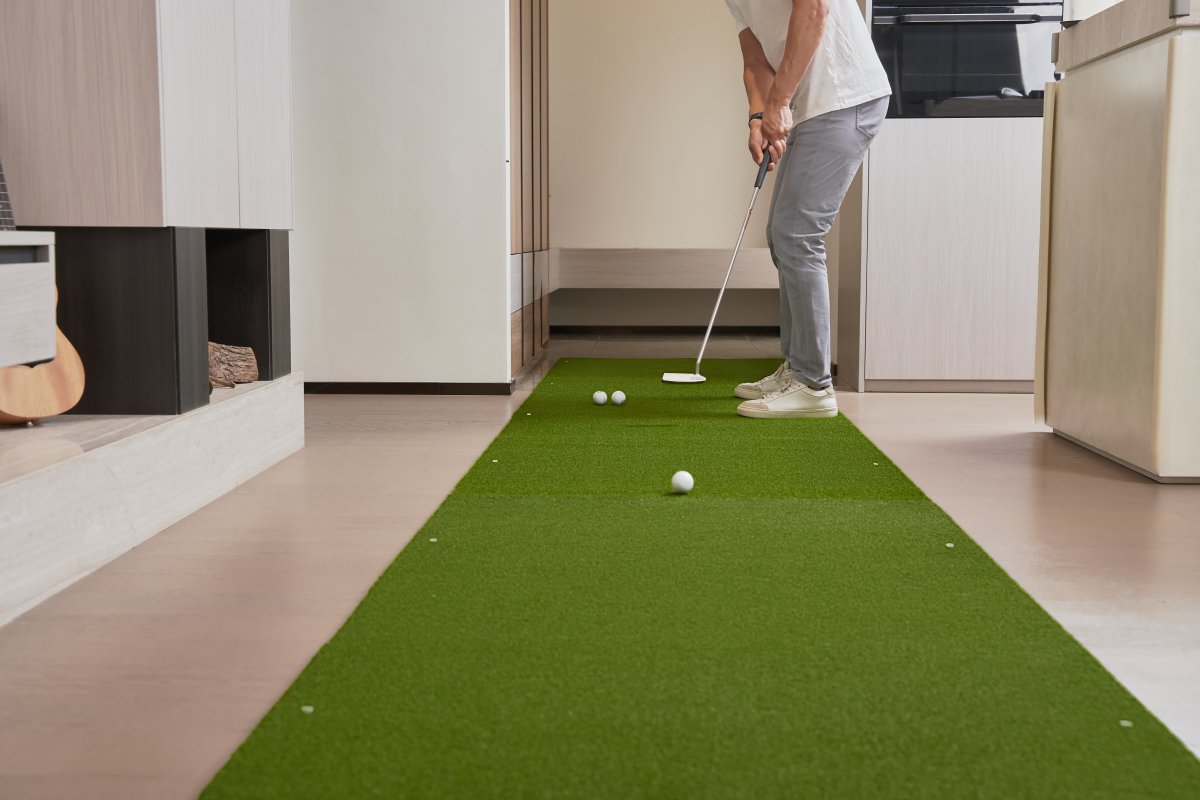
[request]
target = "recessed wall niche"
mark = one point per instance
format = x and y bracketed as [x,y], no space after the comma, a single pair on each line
[141,305]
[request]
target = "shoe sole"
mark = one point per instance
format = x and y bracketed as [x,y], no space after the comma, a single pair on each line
[788,414]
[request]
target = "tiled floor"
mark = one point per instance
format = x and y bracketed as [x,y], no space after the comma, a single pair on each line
[138,681]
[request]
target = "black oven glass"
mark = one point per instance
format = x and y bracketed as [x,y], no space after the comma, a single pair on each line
[966,60]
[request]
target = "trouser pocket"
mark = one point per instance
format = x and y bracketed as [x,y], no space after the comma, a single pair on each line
[869,116]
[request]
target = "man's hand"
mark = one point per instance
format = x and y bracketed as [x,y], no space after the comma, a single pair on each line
[758,144]
[776,127]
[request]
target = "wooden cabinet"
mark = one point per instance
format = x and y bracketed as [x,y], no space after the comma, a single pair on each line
[147,113]
[951,254]
[529,184]
[1118,365]
[264,111]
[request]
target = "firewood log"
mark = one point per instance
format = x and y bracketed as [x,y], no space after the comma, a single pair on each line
[229,365]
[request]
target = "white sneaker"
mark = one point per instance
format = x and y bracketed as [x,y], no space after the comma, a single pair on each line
[792,401]
[763,387]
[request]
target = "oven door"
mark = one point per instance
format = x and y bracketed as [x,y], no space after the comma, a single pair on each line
[966,60]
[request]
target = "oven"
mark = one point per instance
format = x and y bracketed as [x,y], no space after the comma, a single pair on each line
[966,59]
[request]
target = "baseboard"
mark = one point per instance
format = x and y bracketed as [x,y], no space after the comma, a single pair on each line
[1128,465]
[334,387]
[951,387]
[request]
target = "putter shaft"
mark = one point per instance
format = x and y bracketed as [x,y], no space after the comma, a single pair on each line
[728,272]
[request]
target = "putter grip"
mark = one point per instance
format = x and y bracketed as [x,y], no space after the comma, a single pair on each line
[762,169]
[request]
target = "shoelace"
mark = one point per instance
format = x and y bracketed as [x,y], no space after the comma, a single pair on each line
[787,387]
[791,385]
[776,375]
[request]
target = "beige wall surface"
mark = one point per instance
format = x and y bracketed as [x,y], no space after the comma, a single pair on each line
[400,251]
[648,126]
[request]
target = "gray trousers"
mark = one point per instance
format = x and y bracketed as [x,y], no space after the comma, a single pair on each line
[822,157]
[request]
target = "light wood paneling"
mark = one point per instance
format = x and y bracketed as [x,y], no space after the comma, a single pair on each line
[535,126]
[529,333]
[664,269]
[529,266]
[530,130]
[953,262]
[199,113]
[264,110]
[1177,430]
[526,111]
[515,158]
[1039,366]
[1119,26]
[544,126]
[529,330]
[514,334]
[80,130]
[1105,250]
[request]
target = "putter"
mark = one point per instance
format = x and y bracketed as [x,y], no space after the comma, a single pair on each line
[696,377]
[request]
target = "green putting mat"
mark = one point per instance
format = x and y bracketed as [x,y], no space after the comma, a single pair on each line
[798,626]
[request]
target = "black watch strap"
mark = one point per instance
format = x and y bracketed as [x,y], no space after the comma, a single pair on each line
[753,117]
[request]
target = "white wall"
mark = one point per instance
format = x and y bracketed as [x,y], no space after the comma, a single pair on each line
[647,126]
[400,251]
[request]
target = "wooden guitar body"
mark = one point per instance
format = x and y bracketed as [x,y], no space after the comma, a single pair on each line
[31,393]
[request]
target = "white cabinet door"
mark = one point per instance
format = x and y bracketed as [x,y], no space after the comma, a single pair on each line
[198,86]
[264,108]
[952,250]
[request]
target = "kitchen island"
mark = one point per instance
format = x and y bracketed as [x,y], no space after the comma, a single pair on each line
[1118,365]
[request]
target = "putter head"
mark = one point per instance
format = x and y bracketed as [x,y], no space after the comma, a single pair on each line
[683,377]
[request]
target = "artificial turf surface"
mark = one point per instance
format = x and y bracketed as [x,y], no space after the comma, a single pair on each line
[796,627]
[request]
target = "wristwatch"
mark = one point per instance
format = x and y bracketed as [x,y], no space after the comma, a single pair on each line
[753,117]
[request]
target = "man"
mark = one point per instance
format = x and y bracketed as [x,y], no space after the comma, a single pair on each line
[818,95]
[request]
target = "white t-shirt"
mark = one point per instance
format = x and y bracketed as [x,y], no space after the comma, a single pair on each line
[845,70]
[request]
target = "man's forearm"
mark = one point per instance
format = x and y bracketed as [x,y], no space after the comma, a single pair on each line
[758,78]
[805,30]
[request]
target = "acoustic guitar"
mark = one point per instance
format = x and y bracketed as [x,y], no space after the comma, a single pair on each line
[30,393]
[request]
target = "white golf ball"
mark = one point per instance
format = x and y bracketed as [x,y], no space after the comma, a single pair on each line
[599,398]
[682,482]
[618,398]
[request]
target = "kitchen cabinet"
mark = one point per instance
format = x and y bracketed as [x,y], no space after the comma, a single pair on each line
[949,286]
[1118,367]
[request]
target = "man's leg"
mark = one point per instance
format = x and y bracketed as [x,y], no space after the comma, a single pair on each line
[785,309]
[822,157]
